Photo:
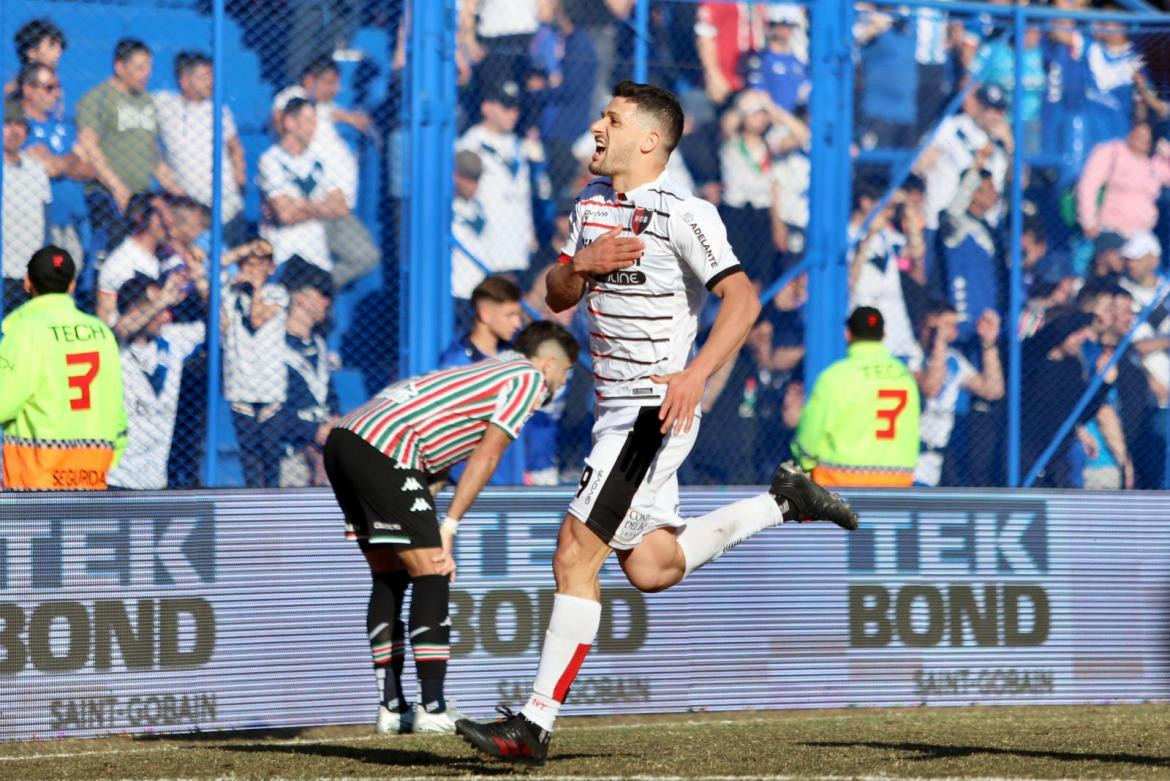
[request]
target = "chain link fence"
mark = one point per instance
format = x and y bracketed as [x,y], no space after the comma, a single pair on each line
[109,148]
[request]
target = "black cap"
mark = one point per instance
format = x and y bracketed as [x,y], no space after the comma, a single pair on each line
[51,270]
[1056,331]
[1107,241]
[992,96]
[505,92]
[299,273]
[866,324]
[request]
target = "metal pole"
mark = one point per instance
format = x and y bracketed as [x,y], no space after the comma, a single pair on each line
[1016,293]
[431,184]
[832,119]
[641,39]
[211,450]
[79,261]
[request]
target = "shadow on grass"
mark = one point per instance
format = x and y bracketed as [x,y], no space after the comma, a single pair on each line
[393,756]
[218,736]
[931,751]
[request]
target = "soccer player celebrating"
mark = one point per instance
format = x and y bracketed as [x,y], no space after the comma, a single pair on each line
[381,459]
[641,250]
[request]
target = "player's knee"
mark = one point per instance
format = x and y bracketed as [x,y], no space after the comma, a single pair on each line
[646,580]
[572,572]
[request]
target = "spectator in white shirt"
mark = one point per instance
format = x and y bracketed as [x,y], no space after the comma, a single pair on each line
[185,124]
[136,254]
[494,35]
[505,189]
[980,127]
[300,188]
[756,131]
[350,243]
[255,381]
[945,374]
[875,278]
[152,371]
[26,196]
[468,222]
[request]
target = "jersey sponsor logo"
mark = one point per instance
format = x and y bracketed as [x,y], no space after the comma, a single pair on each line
[623,276]
[695,229]
[640,220]
[411,485]
[420,505]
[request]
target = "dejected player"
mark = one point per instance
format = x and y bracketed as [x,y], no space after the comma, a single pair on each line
[642,252]
[384,460]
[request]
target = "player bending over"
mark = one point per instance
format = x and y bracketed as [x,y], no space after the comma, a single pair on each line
[641,251]
[385,461]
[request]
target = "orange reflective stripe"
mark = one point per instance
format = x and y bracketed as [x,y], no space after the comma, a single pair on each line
[72,468]
[861,477]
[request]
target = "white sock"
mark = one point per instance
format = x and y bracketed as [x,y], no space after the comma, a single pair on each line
[572,628]
[709,536]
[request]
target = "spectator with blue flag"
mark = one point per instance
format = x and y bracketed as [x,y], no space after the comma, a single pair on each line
[970,250]
[1118,85]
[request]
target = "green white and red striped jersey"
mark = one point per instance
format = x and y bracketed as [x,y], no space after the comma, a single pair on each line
[433,421]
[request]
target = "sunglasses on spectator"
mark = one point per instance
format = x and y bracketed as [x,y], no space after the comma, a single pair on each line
[49,87]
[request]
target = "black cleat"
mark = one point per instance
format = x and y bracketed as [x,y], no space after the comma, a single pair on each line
[510,739]
[808,501]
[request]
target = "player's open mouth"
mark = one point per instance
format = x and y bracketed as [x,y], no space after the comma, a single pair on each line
[598,149]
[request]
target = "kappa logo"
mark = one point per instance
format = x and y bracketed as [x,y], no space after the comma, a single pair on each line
[640,220]
[420,505]
[411,484]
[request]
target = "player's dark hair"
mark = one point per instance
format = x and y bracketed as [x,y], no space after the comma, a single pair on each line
[187,61]
[659,103]
[29,72]
[533,335]
[127,48]
[318,65]
[500,290]
[30,35]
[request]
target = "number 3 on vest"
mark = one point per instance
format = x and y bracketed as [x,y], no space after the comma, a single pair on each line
[82,381]
[888,418]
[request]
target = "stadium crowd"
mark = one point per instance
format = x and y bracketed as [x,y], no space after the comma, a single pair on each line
[122,178]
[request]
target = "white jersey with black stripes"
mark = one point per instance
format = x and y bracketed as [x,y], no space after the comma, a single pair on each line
[643,319]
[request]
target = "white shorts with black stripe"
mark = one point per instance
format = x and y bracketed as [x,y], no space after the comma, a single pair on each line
[630,482]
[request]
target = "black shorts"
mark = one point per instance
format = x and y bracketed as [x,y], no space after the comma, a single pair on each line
[384,503]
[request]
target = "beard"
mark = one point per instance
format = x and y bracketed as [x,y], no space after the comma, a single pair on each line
[615,160]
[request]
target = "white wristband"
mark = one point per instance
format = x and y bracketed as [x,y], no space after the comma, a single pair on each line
[450,525]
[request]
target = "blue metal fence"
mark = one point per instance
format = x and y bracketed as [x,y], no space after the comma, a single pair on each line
[406,200]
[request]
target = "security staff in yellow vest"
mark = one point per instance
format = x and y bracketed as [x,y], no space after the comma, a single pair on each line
[60,386]
[860,425]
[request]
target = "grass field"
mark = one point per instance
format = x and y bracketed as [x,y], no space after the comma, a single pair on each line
[1131,741]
